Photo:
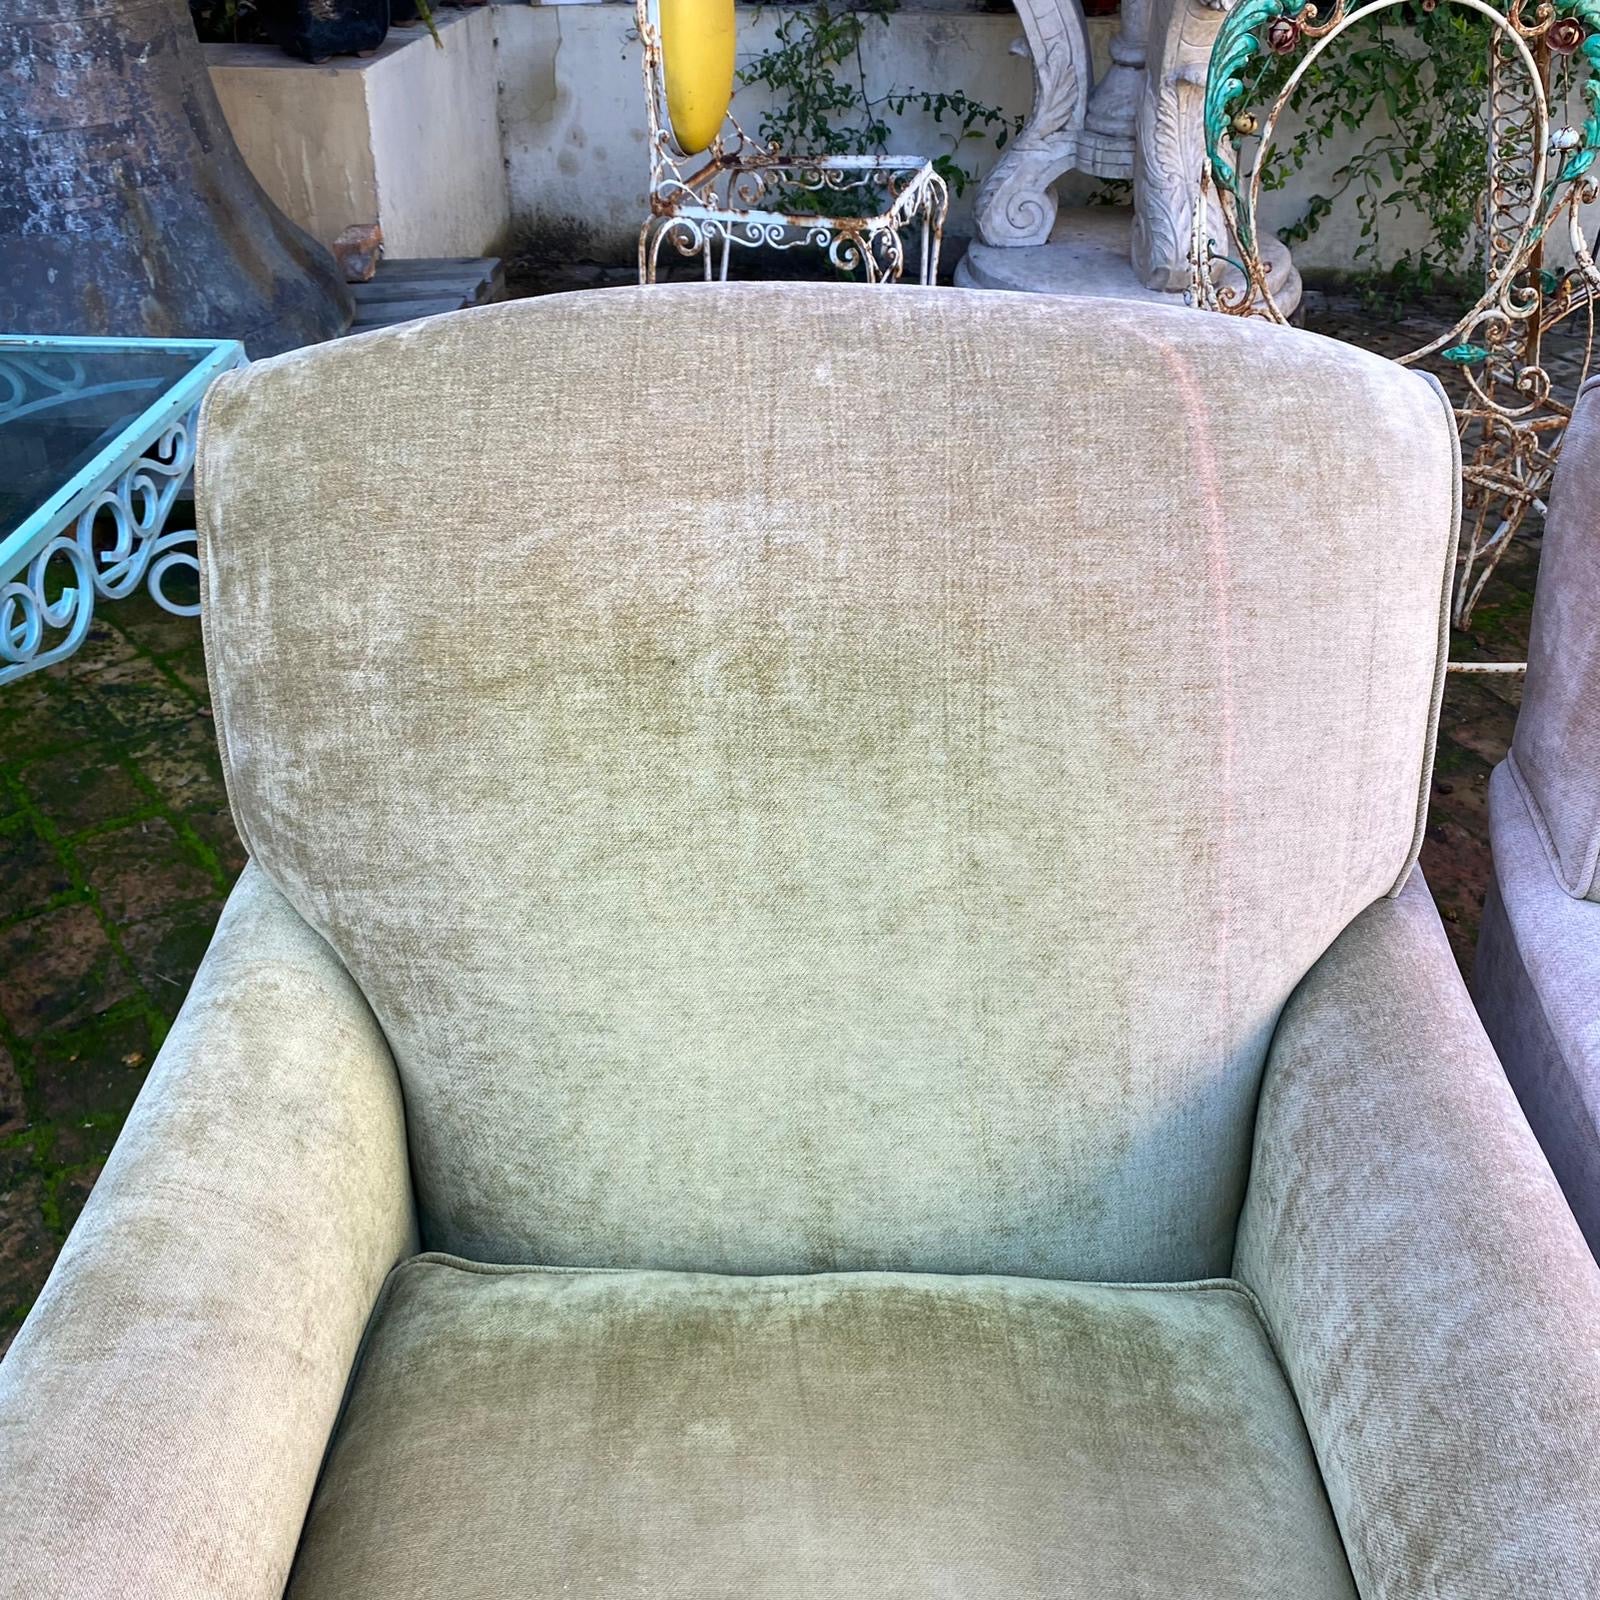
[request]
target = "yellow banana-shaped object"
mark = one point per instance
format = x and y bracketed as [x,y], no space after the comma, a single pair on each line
[697,63]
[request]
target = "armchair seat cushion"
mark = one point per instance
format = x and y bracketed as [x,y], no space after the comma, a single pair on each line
[543,1432]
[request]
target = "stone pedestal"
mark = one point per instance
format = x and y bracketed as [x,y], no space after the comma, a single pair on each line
[1089,252]
[125,206]
[408,137]
[1143,121]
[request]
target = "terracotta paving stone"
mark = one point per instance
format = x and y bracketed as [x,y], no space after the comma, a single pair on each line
[83,1143]
[157,633]
[190,667]
[59,970]
[35,875]
[27,1244]
[44,713]
[82,788]
[1476,719]
[142,870]
[71,1191]
[141,698]
[96,1073]
[104,647]
[165,951]
[13,1113]
[217,833]
[182,764]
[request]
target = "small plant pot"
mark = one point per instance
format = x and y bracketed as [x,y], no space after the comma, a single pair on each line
[318,29]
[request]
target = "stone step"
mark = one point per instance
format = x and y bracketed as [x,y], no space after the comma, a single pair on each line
[401,290]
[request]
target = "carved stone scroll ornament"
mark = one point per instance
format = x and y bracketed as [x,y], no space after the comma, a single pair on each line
[1170,147]
[1017,204]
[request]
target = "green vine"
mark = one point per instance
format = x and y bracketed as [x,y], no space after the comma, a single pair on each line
[1415,83]
[1582,17]
[821,103]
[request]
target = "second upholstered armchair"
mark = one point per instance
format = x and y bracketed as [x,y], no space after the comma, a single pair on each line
[1537,975]
[832,996]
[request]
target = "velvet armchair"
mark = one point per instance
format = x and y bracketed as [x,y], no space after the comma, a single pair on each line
[832,996]
[1536,976]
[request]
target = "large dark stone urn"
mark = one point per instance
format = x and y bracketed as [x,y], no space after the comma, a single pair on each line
[125,206]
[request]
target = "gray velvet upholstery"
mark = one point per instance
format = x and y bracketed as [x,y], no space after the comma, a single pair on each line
[1536,975]
[783,814]
[1536,979]
[164,1410]
[830,810]
[1430,1297]
[1555,752]
[903,1436]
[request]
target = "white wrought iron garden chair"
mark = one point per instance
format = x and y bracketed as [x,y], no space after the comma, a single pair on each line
[743,192]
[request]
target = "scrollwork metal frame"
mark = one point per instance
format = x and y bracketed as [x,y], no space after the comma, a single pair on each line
[102,534]
[707,210]
[1510,419]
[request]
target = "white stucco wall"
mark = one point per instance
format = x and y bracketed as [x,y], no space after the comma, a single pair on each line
[574,116]
[304,132]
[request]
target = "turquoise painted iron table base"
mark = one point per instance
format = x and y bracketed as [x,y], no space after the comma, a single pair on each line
[97,438]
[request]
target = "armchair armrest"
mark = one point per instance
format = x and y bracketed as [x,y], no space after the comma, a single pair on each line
[1431,1297]
[164,1410]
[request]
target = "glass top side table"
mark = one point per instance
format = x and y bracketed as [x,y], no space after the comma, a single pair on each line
[97,439]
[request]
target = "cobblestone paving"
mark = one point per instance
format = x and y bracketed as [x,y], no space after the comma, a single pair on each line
[117,852]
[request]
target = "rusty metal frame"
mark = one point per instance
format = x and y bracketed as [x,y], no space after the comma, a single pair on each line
[1510,419]
[733,196]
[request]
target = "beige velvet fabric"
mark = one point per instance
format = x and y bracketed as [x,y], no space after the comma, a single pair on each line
[811,778]
[1555,753]
[165,1407]
[1429,1291]
[835,1437]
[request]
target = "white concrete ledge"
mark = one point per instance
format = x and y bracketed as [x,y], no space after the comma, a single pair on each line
[408,137]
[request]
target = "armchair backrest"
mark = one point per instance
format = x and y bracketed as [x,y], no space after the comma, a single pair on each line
[811,777]
[1555,752]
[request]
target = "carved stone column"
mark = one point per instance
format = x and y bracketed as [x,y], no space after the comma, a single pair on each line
[1144,121]
[1170,142]
[1169,151]
[1114,106]
[1017,203]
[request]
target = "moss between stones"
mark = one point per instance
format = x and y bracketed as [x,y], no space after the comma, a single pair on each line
[110,795]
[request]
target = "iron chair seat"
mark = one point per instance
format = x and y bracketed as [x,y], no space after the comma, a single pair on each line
[736,196]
